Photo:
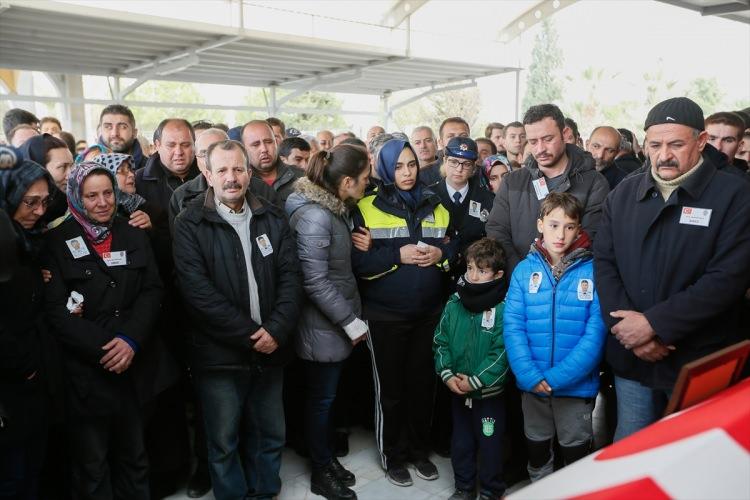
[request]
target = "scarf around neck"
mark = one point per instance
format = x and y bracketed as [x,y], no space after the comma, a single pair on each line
[480,297]
[95,231]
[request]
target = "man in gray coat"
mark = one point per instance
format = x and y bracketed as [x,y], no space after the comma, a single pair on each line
[553,167]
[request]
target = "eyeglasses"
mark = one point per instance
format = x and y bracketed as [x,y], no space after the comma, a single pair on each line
[454,163]
[35,202]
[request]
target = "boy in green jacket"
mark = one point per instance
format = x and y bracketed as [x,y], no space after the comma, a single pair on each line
[470,358]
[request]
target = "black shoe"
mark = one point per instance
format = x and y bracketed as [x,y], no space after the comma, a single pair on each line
[462,495]
[426,469]
[399,475]
[325,483]
[344,475]
[489,496]
[200,482]
[340,443]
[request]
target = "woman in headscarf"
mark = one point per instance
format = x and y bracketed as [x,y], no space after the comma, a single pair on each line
[130,204]
[491,174]
[25,377]
[402,282]
[92,152]
[114,362]
[54,155]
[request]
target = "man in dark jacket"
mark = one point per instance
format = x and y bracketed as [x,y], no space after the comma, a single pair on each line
[672,260]
[603,145]
[118,132]
[170,167]
[198,185]
[554,167]
[237,269]
[260,143]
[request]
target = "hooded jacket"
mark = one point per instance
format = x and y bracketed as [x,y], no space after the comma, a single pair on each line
[322,226]
[391,290]
[554,331]
[515,210]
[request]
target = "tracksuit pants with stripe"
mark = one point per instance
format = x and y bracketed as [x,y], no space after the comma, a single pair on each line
[404,379]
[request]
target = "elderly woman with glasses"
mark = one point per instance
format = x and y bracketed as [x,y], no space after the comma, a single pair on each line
[26,350]
[114,362]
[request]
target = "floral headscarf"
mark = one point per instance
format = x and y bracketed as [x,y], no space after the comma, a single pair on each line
[95,231]
[112,162]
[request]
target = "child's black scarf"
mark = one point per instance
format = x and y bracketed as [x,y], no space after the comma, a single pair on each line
[479,297]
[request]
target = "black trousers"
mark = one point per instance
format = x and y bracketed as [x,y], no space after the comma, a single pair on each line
[109,456]
[404,379]
[478,437]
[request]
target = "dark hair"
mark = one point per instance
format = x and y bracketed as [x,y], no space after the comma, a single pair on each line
[327,168]
[290,143]
[492,126]
[227,145]
[540,112]
[488,142]
[512,125]
[49,143]
[486,253]
[571,123]
[15,117]
[627,134]
[275,122]
[9,135]
[222,126]
[354,141]
[453,119]
[745,115]
[727,118]
[118,109]
[202,125]
[50,119]
[160,129]
[572,207]
[70,140]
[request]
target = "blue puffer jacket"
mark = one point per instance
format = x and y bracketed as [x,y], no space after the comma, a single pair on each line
[556,334]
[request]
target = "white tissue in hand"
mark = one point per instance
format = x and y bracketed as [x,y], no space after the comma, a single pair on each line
[356,329]
[74,300]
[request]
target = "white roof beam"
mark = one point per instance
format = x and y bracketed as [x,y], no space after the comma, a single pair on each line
[181,53]
[725,8]
[400,11]
[161,70]
[371,64]
[318,82]
[433,90]
[534,15]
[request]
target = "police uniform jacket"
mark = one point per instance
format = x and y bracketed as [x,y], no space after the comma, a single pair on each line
[391,290]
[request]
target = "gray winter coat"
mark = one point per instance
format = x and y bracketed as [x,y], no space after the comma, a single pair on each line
[512,220]
[321,224]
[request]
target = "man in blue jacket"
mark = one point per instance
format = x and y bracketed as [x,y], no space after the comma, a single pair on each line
[672,263]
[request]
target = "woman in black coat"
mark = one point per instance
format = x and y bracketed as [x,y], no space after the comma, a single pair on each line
[113,360]
[25,346]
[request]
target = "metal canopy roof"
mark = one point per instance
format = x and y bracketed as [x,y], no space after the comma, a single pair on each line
[736,10]
[65,38]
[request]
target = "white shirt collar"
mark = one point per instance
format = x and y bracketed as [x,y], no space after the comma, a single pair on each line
[463,191]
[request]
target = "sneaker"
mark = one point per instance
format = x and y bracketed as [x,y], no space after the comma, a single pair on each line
[325,483]
[399,475]
[426,469]
[462,495]
[344,475]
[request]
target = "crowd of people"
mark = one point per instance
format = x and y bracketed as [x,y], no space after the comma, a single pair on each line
[182,312]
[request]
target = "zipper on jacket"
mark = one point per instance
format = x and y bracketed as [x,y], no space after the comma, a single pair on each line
[554,300]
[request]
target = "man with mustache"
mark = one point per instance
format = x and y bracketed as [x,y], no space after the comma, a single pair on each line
[672,263]
[260,144]
[237,269]
[555,167]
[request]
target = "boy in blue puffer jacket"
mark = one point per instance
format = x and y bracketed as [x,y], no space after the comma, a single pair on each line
[554,336]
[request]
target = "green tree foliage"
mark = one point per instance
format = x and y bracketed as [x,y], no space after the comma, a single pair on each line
[705,91]
[542,82]
[307,122]
[432,110]
[148,118]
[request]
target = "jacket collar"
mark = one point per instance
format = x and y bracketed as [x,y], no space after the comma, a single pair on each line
[579,161]
[155,169]
[693,185]
[204,207]
[316,194]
